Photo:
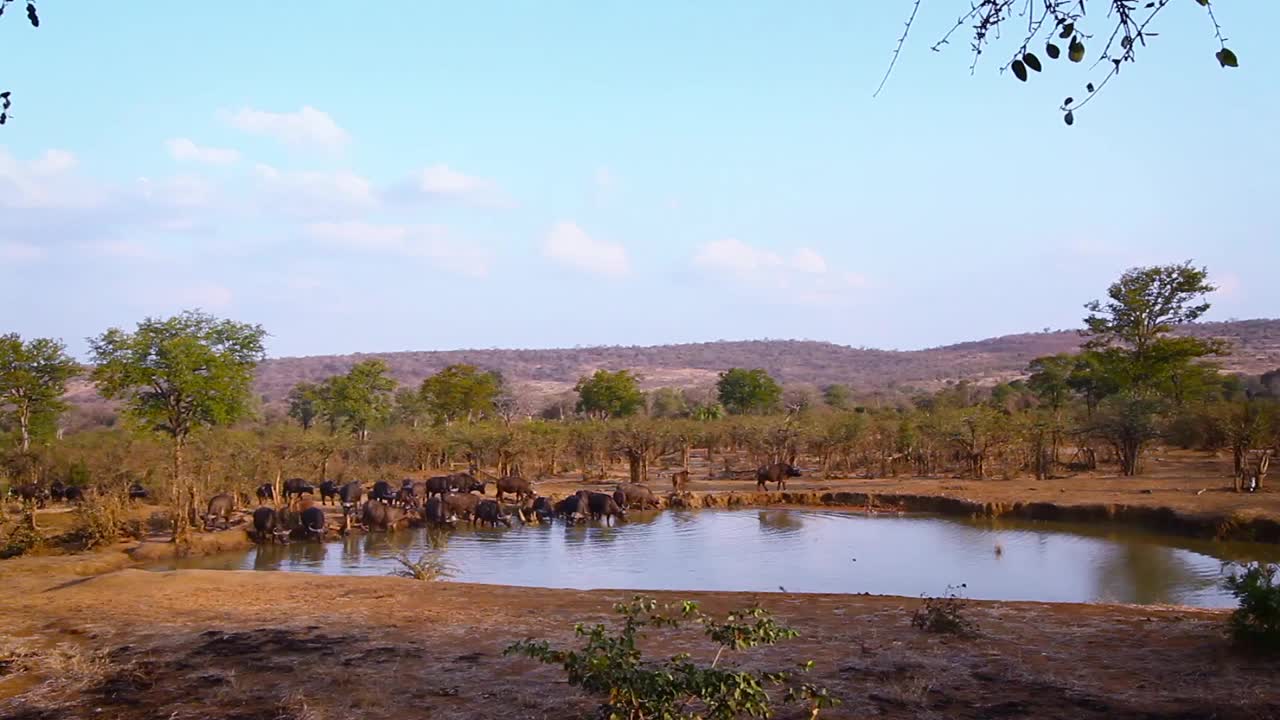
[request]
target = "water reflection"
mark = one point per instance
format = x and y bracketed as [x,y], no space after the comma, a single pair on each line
[803,551]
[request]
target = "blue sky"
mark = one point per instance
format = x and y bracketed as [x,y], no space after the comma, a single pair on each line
[410,176]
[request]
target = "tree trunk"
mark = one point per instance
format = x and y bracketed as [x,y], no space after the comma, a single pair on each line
[181,520]
[634,463]
[24,425]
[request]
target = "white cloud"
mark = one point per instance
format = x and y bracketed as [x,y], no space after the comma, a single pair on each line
[314,193]
[443,181]
[307,126]
[182,191]
[16,252]
[571,245]
[46,183]
[804,274]
[185,150]
[421,241]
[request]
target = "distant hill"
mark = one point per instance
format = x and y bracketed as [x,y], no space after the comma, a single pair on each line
[541,374]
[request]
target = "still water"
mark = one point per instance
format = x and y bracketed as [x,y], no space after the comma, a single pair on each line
[801,551]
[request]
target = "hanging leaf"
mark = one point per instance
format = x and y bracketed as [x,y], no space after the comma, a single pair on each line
[1069,118]
[1020,70]
[1031,61]
[31,15]
[1075,51]
[1089,87]
[1053,51]
[1067,30]
[1203,3]
[1068,101]
[1226,58]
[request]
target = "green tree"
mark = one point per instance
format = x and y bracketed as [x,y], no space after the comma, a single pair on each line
[33,378]
[410,408]
[1131,352]
[304,404]
[838,397]
[461,392]
[362,397]
[746,392]
[666,402]
[608,394]
[177,375]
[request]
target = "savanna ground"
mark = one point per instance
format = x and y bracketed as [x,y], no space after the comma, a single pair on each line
[88,635]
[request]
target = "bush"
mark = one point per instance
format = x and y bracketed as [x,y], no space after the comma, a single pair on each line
[678,688]
[20,538]
[945,614]
[429,565]
[102,518]
[1255,625]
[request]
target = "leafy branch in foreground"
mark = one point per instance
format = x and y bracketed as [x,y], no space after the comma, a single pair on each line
[1051,24]
[679,688]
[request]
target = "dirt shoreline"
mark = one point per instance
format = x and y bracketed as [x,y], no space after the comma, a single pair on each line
[92,635]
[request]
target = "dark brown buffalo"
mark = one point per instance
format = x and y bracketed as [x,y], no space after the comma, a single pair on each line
[775,473]
[57,491]
[31,492]
[573,508]
[629,495]
[462,505]
[296,486]
[434,512]
[537,510]
[489,512]
[268,525]
[381,516]
[73,493]
[137,492]
[680,481]
[328,489]
[466,483]
[517,486]
[220,506]
[312,523]
[265,492]
[604,506]
[349,495]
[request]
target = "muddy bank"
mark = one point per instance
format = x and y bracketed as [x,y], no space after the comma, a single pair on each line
[1159,519]
[264,646]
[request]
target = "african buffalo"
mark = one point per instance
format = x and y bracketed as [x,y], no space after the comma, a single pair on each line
[137,492]
[517,486]
[265,492]
[313,523]
[466,482]
[537,509]
[462,505]
[382,491]
[31,492]
[268,526]
[680,481]
[297,486]
[57,491]
[220,506]
[490,512]
[632,495]
[328,489]
[439,485]
[73,493]
[604,506]
[380,516]
[775,473]
[434,512]
[349,495]
[573,508]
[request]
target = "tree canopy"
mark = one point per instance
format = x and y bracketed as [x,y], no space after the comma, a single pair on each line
[33,378]
[746,392]
[460,392]
[180,373]
[608,394]
[358,400]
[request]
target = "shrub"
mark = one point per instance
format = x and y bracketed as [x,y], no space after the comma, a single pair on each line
[22,537]
[430,565]
[612,665]
[1255,625]
[102,518]
[945,614]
